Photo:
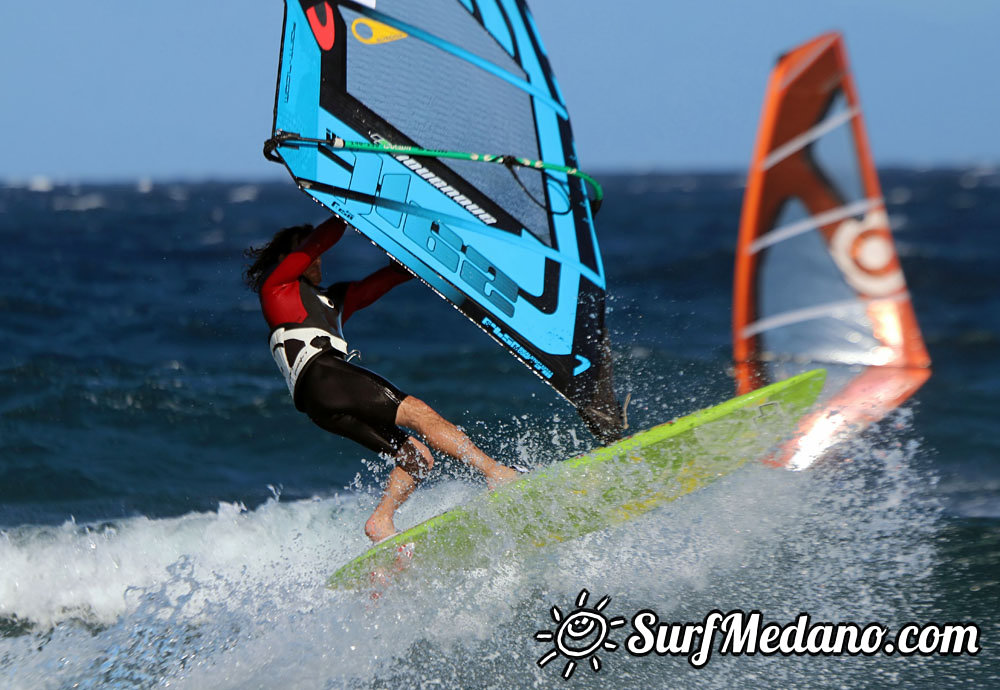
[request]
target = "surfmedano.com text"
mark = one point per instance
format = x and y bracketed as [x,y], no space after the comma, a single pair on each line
[740,633]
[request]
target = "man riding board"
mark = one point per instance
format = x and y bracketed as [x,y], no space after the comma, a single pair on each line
[308,344]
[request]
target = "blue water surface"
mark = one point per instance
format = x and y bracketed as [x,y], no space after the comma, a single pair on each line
[136,385]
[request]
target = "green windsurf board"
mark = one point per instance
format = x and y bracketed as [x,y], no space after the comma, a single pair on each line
[604,487]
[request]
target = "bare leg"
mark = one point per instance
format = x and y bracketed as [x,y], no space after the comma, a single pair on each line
[397,490]
[413,463]
[444,436]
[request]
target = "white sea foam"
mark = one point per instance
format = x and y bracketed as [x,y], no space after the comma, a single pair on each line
[177,193]
[235,598]
[899,195]
[41,184]
[85,572]
[212,237]
[84,202]
[243,194]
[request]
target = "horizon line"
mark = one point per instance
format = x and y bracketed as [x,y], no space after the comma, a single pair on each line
[55,180]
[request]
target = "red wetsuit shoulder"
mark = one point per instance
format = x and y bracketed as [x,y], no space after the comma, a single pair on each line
[280,296]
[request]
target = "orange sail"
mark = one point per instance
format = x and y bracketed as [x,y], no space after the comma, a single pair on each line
[817,276]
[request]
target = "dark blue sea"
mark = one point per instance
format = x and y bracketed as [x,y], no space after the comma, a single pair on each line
[168,520]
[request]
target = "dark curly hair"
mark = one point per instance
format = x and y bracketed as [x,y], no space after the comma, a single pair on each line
[267,257]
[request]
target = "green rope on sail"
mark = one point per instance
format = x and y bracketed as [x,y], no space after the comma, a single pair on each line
[289,138]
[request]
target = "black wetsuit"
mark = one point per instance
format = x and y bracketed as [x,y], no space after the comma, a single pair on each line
[308,344]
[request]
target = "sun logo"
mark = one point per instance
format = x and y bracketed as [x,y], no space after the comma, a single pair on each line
[579,635]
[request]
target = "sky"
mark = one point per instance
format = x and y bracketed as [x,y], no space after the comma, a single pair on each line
[116,90]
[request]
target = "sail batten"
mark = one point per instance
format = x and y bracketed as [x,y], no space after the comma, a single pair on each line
[813,222]
[799,315]
[808,137]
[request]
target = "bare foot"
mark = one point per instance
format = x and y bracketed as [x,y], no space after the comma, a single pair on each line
[500,476]
[378,528]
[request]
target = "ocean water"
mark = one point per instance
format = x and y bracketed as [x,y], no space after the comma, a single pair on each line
[168,520]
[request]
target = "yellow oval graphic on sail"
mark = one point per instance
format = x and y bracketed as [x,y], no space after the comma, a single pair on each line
[371,32]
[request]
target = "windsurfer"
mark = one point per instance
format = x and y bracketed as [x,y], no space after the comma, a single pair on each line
[308,344]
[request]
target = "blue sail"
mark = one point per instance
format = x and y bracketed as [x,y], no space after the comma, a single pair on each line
[514,249]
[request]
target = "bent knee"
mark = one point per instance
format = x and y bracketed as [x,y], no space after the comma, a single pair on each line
[415,459]
[423,455]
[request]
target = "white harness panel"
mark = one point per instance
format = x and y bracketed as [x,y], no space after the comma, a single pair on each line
[313,341]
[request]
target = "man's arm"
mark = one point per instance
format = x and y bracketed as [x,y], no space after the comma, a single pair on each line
[361,293]
[326,234]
